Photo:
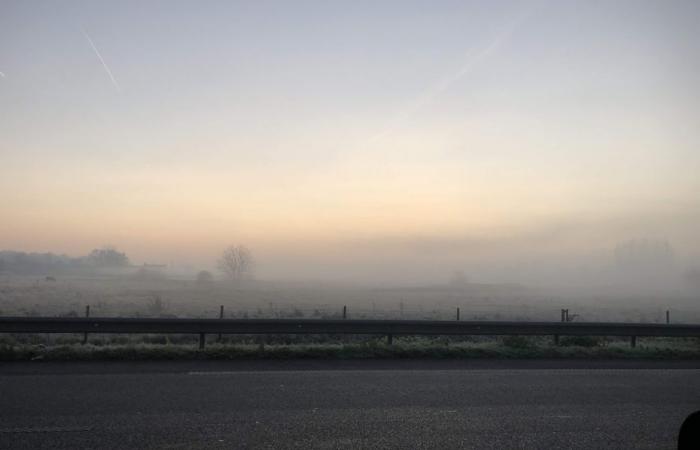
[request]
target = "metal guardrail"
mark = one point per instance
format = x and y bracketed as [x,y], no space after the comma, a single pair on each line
[339,326]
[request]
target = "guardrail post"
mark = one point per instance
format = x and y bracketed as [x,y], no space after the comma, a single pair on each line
[202,339]
[221,316]
[345,311]
[458,314]
[668,317]
[633,341]
[389,339]
[556,339]
[87,314]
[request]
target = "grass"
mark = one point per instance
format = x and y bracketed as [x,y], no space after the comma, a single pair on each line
[402,348]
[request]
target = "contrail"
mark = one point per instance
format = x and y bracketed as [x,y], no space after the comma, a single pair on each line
[104,64]
[471,61]
[438,88]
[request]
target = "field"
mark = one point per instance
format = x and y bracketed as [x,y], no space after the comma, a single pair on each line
[157,296]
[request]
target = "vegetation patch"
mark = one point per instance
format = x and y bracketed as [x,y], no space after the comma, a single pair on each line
[581,341]
[518,342]
[375,348]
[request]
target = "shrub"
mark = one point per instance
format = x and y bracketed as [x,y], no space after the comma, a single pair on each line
[579,341]
[517,342]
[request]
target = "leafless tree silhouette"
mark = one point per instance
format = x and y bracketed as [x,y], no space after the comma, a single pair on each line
[237,262]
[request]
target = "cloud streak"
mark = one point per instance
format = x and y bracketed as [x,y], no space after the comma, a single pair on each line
[104,64]
[472,60]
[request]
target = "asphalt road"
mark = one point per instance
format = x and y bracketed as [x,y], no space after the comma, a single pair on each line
[373,404]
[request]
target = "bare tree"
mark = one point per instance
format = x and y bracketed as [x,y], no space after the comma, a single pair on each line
[237,262]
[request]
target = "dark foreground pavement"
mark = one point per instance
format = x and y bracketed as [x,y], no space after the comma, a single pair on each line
[370,404]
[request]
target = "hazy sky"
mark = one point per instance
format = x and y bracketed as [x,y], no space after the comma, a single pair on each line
[346,136]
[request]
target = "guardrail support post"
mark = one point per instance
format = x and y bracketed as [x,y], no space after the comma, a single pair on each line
[202,339]
[633,341]
[389,339]
[221,316]
[87,314]
[556,339]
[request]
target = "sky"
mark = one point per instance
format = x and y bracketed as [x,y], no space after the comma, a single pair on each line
[352,139]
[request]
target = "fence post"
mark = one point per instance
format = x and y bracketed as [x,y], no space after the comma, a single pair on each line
[668,317]
[389,339]
[457,314]
[87,314]
[562,315]
[202,339]
[221,316]
[633,341]
[345,311]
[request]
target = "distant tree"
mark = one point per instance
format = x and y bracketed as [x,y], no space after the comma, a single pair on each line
[237,262]
[107,256]
[36,263]
[204,277]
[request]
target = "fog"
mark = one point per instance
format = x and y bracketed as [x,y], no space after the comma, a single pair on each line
[566,255]
[541,144]
[615,257]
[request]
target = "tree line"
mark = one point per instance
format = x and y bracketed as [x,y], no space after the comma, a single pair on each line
[41,263]
[236,262]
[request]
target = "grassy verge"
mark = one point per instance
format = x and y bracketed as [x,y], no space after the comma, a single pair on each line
[504,348]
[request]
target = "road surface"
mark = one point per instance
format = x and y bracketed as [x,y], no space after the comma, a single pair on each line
[371,404]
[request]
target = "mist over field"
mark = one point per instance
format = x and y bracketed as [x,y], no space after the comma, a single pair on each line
[454,154]
[638,281]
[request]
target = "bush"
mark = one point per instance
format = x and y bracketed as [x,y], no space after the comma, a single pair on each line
[519,347]
[517,342]
[579,341]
